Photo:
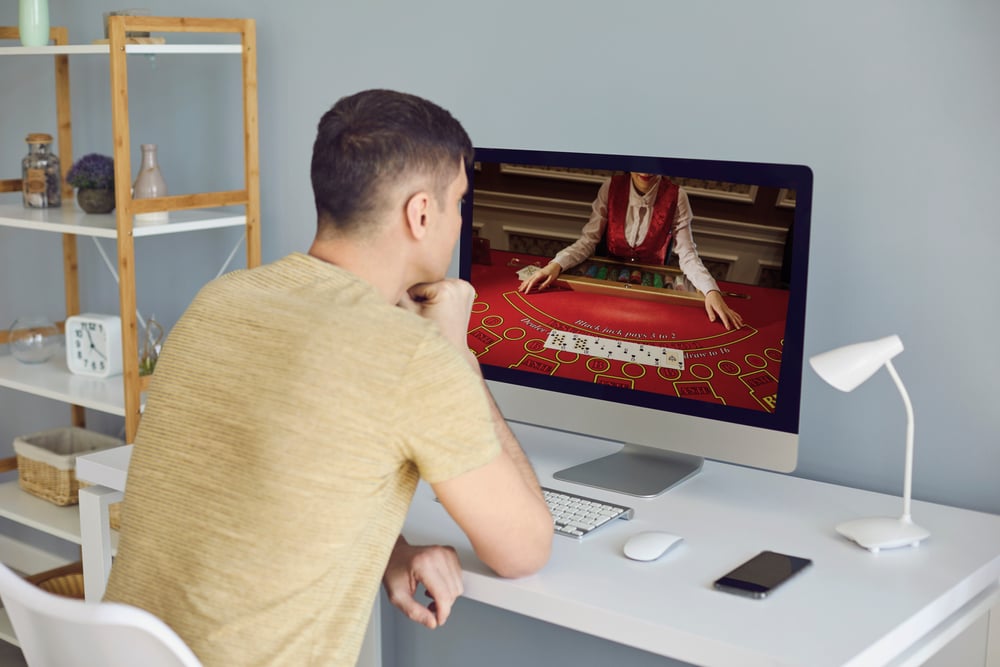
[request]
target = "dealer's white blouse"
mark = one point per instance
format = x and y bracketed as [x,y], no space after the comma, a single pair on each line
[636,226]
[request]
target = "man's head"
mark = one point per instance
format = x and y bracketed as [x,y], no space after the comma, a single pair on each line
[373,150]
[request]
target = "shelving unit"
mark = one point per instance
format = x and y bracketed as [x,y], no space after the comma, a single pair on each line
[26,509]
[121,395]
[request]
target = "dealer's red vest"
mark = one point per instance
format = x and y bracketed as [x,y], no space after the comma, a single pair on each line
[653,248]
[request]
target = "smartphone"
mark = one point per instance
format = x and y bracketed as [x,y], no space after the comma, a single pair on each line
[760,575]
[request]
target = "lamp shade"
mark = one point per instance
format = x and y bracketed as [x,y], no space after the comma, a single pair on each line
[847,367]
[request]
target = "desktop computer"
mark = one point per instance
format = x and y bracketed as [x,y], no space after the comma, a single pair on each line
[622,348]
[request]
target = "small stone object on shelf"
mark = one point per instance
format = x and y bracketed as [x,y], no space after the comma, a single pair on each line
[34,340]
[93,176]
[41,179]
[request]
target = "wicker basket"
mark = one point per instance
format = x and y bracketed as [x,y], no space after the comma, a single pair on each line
[66,581]
[46,461]
[115,515]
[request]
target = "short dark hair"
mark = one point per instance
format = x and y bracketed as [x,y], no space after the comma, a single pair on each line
[376,139]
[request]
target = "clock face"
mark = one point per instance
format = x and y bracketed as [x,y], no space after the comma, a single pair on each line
[92,346]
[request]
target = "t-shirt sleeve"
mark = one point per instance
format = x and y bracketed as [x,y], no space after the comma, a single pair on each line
[444,403]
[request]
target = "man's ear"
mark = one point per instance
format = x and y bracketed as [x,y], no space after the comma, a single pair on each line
[416,209]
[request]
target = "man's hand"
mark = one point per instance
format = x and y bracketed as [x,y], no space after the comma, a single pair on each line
[437,568]
[541,278]
[447,302]
[716,308]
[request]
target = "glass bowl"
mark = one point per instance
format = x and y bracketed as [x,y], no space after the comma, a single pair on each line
[34,340]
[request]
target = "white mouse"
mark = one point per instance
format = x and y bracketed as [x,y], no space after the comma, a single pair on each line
[650,545]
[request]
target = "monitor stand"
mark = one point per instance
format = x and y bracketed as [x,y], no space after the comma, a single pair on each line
[634,470]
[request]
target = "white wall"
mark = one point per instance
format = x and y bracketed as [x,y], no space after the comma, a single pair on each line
[894,105]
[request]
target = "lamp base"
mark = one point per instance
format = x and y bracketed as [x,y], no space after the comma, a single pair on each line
[880,533]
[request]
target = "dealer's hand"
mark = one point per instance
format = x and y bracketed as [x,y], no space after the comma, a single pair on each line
[437,568]
[716,308]
[541,278]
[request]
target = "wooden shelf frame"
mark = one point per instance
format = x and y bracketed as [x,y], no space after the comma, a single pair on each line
[126,207]
[119,225]
[118,395]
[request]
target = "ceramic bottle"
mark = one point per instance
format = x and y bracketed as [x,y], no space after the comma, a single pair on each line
[149,183]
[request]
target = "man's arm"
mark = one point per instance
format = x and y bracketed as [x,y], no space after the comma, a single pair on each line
[499,506]
[436,567]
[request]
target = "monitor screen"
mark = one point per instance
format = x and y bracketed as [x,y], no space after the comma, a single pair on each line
[621,344]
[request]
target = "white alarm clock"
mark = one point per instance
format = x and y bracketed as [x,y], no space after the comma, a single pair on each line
[94,344]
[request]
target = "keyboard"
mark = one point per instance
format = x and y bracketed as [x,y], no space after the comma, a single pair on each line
[576,516]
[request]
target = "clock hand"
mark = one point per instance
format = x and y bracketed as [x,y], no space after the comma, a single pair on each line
[92,346]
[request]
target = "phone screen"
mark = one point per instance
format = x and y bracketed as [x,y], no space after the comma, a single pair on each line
[762,574]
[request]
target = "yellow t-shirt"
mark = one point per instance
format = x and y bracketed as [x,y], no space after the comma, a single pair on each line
[290,417]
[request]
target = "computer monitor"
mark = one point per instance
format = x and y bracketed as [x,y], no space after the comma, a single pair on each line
[624,350]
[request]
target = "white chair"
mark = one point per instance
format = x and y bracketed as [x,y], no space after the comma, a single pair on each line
[56,631]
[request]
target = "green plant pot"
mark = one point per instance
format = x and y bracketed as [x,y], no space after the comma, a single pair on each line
[96,201]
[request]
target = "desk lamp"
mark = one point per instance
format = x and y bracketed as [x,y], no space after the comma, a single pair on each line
[846,368]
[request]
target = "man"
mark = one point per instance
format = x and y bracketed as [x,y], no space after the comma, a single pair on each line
[295,406]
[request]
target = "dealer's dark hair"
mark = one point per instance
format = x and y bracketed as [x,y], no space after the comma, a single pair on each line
[369,143]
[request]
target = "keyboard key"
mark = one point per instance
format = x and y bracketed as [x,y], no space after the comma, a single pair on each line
[576,516]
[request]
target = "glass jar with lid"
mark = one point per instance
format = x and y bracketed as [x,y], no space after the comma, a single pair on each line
[41,179]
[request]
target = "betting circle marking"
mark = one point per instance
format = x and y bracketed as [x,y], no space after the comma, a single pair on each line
[701,371]
[669,374]
[633,371]
[728,367]
[515,333]
[534,345]
[597,365]
[567,357]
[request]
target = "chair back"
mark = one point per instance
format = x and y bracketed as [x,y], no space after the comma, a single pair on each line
[55,631]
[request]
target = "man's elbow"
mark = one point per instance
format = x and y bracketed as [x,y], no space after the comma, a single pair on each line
[525,568]
[527,556]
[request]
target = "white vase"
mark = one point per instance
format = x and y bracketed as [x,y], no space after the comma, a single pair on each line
[148,184]
[33,22]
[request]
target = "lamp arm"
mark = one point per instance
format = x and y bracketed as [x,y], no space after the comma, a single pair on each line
[908,470]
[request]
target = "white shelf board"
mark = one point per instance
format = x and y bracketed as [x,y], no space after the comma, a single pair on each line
[53,380]
[68,219]
[60,521]
[105,49]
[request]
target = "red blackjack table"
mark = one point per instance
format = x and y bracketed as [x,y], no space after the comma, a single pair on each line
[737,368]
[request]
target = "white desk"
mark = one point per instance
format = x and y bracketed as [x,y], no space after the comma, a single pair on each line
[106,471]
[851,608]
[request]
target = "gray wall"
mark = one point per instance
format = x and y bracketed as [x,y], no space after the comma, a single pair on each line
[894,105]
